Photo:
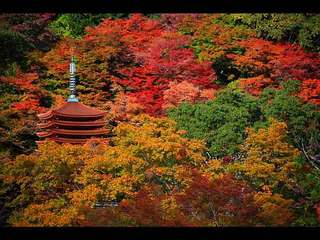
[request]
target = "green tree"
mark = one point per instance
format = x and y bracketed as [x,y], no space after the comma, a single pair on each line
[13,50]
[221,122]
[74,24]
[303,119]
[294,27]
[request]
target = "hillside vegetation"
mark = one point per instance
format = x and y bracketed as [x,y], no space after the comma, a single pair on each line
[215,120]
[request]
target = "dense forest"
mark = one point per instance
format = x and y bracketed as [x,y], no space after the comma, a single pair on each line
[214,117]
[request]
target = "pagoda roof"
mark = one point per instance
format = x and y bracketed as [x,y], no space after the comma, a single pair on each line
[73,110]
[70,123]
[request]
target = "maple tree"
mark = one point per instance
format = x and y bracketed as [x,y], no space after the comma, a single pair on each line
[101,52]
[124,107]
[274,209]
[279,60]
[162,64]
[269,160]
[204,202]
[212,39]
[266,64]
[32,94]
[21,98]
[255,85]
[43,185]
[310,91]
[185,92]
[223,201]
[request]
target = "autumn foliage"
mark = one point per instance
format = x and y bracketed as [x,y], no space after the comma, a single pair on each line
[214,120]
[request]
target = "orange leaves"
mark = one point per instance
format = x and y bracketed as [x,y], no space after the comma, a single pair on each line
[84,197]
[212,40]
[310,91]
[274,209]
[257,56]
[135,31]
[125,107]
[29,103]
[255,85]
[151,171]
[49,214]
[27,83]
[59,180]
[151,207]
[57,59]
[265,63]
[22,80]
[185,92]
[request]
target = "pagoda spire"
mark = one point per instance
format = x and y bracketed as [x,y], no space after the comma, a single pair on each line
[72,83]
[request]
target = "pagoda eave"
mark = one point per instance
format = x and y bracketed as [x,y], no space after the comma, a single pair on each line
[45,116]
[51,114]
[65,140]
[44,134]
[78,116]
[69,140]
[71,123]
[80,132]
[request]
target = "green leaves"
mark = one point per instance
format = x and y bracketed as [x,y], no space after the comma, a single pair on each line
[73,25]
[221,122]
[303,119]
[13,49]
[294,27]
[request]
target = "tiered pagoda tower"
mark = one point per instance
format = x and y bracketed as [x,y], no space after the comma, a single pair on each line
[73,122]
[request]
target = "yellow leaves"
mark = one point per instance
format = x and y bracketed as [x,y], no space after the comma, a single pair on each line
[269,159]
[48,214]
[86,196]
[145,151]
[169,208]
[172,177]
[214,169]
[156,140]
[55,153]
[124,185]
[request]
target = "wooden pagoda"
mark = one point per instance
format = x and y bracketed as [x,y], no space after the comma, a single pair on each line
[73,122]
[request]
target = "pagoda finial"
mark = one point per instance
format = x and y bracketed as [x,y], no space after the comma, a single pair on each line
[72,83]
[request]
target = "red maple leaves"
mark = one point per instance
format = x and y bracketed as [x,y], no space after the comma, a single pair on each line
[26,83]
[165,60]
[266,63]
